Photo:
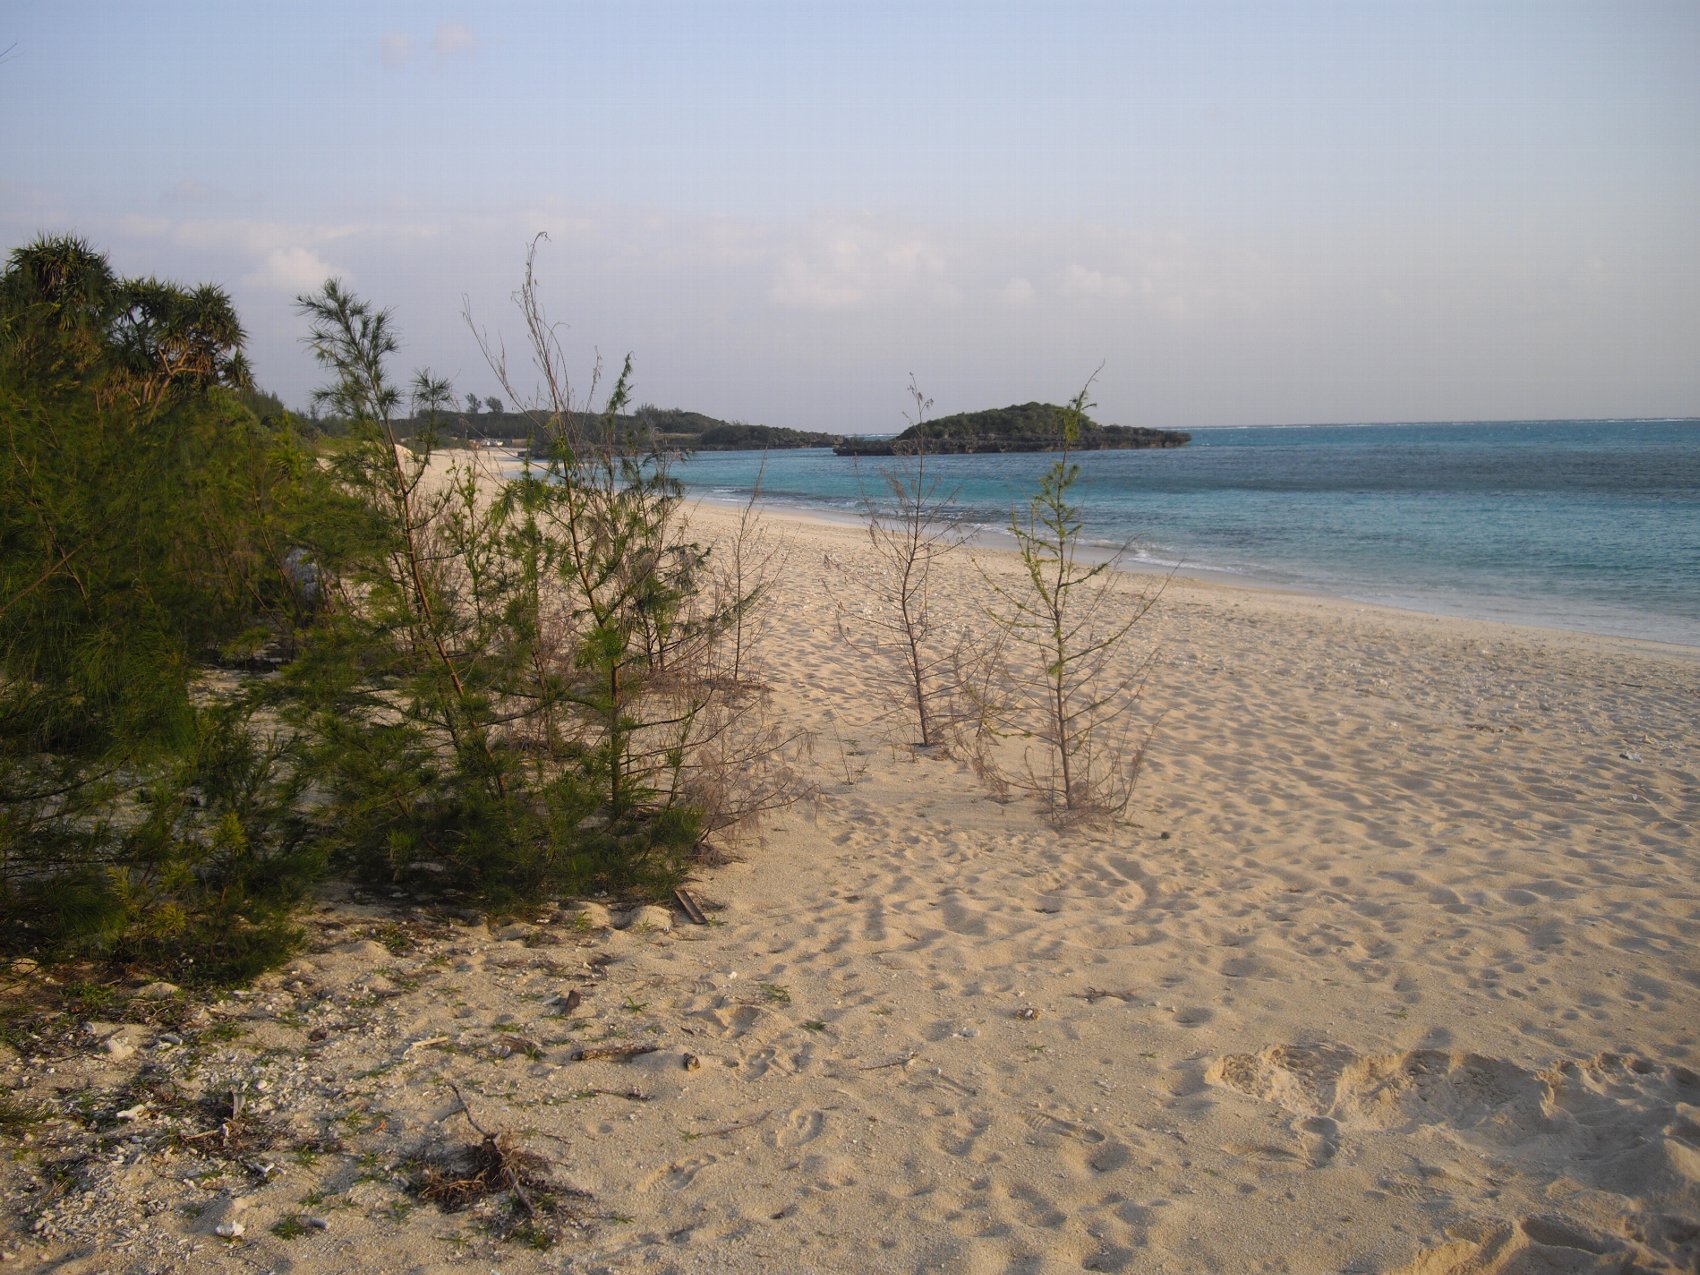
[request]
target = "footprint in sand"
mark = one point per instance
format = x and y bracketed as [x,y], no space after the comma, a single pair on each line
[1033,1209]
[1532,1244]
[753,1023]
[1266,1151]
[1245,967]
[1320,1138]
[1622,1126]
[1078,1144]
[1109,1157]
[962,919]
[796,1127]
[678,1175]
[1115,1258]
[821,1173]
[781,1061]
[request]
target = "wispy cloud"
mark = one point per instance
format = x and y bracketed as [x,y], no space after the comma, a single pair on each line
[287,257]
[841,265]
[454,38]
[1082,281]
[191,191]
[450,40]
[247,234]
[990,313]
[1018,291]
[291,271]
[395,49]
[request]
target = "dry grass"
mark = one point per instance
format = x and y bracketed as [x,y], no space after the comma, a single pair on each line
[496,1166]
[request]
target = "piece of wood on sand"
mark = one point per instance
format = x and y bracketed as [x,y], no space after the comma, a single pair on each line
[617,1053]
[689,906]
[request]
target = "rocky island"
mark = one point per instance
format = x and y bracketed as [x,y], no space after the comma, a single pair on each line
[1021,427]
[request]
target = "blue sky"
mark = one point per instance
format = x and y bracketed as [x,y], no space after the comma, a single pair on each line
[1247,213]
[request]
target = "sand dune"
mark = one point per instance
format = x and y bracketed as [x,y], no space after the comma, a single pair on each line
[1391,968]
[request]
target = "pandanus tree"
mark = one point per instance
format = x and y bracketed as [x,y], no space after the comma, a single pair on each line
[171,338]
[58,297]
[137,531]
[66,314]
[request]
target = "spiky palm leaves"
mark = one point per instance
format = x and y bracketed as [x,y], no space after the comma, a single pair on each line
[65,314]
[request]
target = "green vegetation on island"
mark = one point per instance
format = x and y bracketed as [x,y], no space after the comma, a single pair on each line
[1021,427]
[680,430]
[671,429]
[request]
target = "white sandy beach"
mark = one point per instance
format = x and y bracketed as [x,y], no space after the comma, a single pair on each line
[1391,968]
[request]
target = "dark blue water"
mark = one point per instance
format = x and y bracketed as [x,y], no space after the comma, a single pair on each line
[1591,525]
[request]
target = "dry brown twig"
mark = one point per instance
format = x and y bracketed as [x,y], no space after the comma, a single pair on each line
[494,1165]
[621,1053]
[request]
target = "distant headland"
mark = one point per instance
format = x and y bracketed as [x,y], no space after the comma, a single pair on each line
[1021,427]
[667,428]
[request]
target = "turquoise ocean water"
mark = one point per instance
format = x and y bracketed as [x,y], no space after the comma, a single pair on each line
[1590,525]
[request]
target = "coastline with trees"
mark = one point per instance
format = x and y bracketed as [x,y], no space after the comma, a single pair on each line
[401,868]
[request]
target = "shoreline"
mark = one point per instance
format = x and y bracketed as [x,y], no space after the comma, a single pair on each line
[1675,632]
[999,542]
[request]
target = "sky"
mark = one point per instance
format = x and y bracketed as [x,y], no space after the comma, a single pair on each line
[1233,213]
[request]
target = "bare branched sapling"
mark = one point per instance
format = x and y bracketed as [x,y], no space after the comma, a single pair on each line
[911,528]
[750,562]
[1067,682]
